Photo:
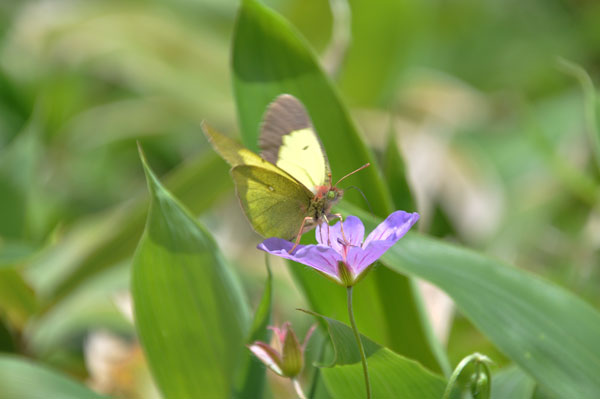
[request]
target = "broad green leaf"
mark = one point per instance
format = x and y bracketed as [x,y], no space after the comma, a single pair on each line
[190,313]
[23,379]
[17,299]
[13,103]
[322,350]
[91,248]
[392,376]
[13,253]
[18,163]
[251,378]
[512,383]
[394,173]
[383,37]
[270,58]
[8,342]
[540,393]
[549,332]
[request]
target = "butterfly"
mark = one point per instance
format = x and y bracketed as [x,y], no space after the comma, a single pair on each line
[287,190]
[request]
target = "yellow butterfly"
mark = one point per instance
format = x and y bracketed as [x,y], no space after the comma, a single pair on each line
[287,190]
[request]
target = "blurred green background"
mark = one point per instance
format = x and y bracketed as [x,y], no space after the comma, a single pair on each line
[485,99]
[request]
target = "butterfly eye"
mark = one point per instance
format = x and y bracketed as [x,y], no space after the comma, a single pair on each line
[331,195]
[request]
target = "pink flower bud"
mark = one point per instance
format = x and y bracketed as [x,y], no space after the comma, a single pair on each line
[286,356]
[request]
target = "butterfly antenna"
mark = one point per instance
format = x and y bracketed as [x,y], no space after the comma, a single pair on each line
[363,195]
[353,172]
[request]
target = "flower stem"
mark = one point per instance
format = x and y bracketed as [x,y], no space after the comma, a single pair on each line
[298,389]
[363,358]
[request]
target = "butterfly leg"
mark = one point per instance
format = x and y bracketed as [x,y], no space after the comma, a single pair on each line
[339,216]
[328,235]
[300,232]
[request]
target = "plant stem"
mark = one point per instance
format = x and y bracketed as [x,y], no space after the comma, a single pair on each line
[298,389]
[363,358]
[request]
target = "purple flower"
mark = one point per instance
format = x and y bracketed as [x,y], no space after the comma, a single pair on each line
[344,257]
[286,356]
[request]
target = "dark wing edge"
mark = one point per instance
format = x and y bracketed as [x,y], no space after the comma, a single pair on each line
[283,116]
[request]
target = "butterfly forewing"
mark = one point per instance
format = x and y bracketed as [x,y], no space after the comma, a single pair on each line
[236,154]
[274,204]
[289,141]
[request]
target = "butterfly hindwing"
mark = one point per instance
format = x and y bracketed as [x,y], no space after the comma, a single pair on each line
[289,141]
[274,204]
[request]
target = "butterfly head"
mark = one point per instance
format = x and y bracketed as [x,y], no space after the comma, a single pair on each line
[330,194]
[334,194]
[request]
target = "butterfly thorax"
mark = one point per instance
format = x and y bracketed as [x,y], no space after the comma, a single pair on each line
[325,197]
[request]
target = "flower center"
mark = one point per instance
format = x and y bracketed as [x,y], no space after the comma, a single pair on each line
[345,245]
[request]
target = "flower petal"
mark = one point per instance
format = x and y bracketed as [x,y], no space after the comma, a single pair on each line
[392,228]
[278,246]
[280,333]
[319,257]
[308,335]
[267,355]
[359,259]
[354,232]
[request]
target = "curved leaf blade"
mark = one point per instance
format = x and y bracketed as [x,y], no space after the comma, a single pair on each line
[270,58]
[23,379]
[394,172]
[189,311]
[116,234]
[392,375]
[251,378]
[549,332]
[17,300]
[512,383]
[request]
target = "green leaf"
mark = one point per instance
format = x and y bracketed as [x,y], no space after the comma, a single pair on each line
[383,37]
[320,348]
[91,307]
[392,376]
[88,250]
[16,252]
[18,165]
[270,58]
[17,299]
[23,379]
[512,383]
[590,105]
[549,332]
[8,342]
[394,173]
[574,180]
[190,313]
[251,378]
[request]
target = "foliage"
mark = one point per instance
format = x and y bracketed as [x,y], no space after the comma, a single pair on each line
[481,129]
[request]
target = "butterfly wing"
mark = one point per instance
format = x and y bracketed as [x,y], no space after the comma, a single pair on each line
[234,153]
[274,204]
[289,141]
